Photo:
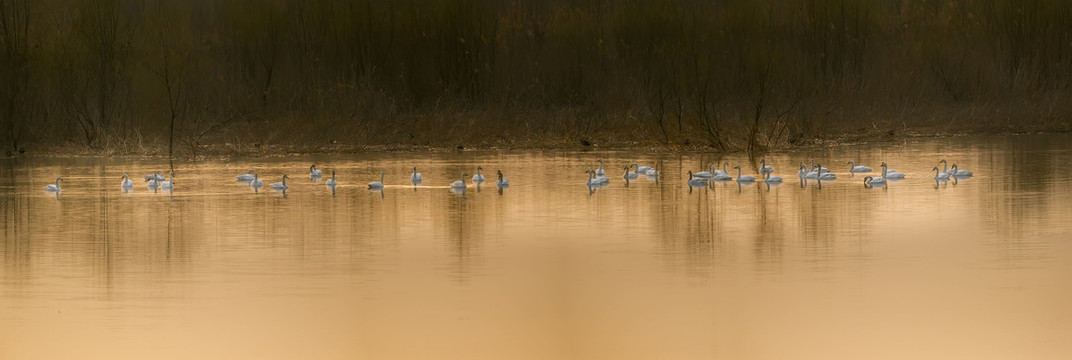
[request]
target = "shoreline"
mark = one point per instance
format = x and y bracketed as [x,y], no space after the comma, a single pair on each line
[232,151]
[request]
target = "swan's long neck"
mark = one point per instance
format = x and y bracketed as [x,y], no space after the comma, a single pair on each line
[724,164]
[944,165]
[312,167]
[738,173]
[332,175]
[381,177]
[600,164]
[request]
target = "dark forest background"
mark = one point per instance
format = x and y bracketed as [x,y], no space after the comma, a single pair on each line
[130,75]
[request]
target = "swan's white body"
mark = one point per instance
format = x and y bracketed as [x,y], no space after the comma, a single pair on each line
[820,167]
[743,178]
[825,175]
[889,174]
[169,183]
[54,187]
[256,183]
[314,172]
[939,175]
[415,177]
[600,171]
[706,174]
[331,181]
[152,184]
[696,181]
[280,185]
[502,181]
[158,176]
[955,171]
[641,169]
[377,184]
[460,184]
[874,180]
[629,175]
[478,178]
[717,172]
[653,172]
[772,179]
[248,176]
[857,168]
[763,168]
[127,184]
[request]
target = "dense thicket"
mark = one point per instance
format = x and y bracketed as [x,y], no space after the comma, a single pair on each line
[732,74]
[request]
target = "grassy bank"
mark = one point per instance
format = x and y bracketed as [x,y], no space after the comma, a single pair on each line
[132,76]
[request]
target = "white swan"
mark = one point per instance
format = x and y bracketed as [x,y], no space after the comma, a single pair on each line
[825,175]
[314,172]
[772,179]
[696,181]
[127,184]
[723,171]
[331,181]
[870,180]
[169,183]
[280,185]
[415,177]
[478,178]
[814,169]
[460,184]
[763,168]
[806,173]
[743,178]
[706,174]
[629,175]
[653,172]
[939,175]
[158,176]
[600,171]
[152,183]
[252,174]
[501,181]
[256,183]
[959,172]
[858,168]
[888,174]
[54,187]
[377,184]
[641,169]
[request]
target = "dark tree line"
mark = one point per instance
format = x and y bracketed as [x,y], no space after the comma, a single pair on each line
[730,74]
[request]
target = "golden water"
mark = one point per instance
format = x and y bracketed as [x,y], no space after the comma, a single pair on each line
[545,269]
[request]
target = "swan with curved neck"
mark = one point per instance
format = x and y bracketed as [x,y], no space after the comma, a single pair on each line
[743,178]
[377,184]
[460,184]
[54,187]
[763,168]
[501,181]
[696,181]
[955,171]
[629,175]
[888,174]
[331,181]
[127,184]
[870,180]
[939,175]
[314,172]
[281,185]
[772,179]
[826,175]
[478,178]
[600,171]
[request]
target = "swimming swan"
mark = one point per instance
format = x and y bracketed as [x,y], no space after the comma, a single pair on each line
[958,172]
[415,177]
[377,184]
[54,187]
[939,175]
[600,171]
[887,174]
[127,184]
[169,184]
[743,178]
[248,176]
[331,181]
[858,169]
[314,172]
[641,169]
[256,183]
[696,181]
[870,180]
[772,179]
[280,185]
[460,184]
[501,181]
[629,175]
[478,178]
[763,168]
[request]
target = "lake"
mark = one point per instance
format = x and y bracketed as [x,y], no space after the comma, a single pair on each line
[971,268]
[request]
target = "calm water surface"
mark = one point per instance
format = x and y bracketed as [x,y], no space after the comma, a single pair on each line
[980,268]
